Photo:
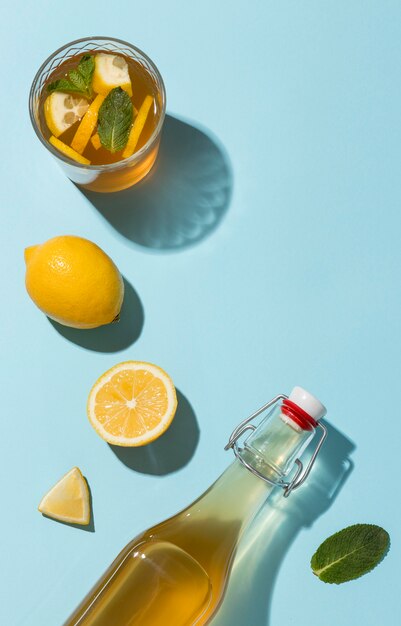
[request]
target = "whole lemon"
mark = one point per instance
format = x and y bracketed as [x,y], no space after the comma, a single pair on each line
[74,282]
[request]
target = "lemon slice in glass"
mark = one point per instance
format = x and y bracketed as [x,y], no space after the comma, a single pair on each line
[68,500]
[62,111]
[111,70]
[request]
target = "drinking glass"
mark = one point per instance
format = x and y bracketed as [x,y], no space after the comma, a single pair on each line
[113,176]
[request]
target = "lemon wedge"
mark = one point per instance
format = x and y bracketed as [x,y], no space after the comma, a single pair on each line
[62,111]
[111,70]
[95,141]
[132,404]
[87,125]
[68,500]
[137,127]
[60,145]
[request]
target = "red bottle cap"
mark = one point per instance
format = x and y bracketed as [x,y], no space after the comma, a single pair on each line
[303,408]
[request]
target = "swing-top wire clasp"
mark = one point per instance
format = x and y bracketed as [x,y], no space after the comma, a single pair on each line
[300,475]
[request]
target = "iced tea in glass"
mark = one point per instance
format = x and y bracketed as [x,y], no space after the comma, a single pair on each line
[98,105]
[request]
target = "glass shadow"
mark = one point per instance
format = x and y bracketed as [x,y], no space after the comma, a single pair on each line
[182,199]
[265,544]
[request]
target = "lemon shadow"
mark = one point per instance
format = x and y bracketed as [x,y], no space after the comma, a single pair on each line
[112,337]
[170,452]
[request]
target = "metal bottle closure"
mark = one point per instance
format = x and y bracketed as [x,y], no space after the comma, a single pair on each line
[300,475]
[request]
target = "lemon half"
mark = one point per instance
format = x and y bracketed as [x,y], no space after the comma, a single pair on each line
[111,70]
[62,111]
[132,404]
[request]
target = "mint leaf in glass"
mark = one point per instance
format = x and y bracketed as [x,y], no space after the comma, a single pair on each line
[86,68]
[350,553]
[79,80]
[115,120]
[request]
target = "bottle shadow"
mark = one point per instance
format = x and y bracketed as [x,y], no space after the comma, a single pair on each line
[173,450]
[112,337]
[183,198]
[90,528]
[264,546]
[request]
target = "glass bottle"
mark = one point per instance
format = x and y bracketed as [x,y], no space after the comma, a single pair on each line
[176,572]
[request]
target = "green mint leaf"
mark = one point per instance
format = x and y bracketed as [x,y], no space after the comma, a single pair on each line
[63,84]
[86,68]
[115,119]
[79,80]
[350,553]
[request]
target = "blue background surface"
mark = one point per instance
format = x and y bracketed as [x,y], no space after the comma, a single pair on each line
[265,252]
